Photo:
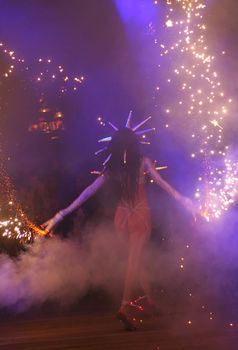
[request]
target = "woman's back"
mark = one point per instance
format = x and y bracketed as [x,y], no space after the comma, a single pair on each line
[134,217]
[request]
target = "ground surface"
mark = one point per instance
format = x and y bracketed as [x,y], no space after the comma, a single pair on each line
[95,330]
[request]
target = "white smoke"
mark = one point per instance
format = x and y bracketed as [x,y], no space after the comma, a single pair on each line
[63,270]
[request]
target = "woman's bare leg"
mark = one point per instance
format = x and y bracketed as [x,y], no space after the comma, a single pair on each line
[136,246]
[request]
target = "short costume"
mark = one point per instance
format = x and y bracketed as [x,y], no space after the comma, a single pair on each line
[135,219]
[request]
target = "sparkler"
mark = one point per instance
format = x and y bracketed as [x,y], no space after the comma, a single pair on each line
[200,102]
[13,226]
[17,225]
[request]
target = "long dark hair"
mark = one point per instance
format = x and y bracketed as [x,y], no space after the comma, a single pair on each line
[123,167]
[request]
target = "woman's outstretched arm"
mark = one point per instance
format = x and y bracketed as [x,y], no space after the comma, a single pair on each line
[186,202]
[82,198]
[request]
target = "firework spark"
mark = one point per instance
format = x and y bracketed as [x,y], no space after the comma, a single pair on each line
[201,104]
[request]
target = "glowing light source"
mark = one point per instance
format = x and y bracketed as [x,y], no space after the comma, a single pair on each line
[193,77]
[169,23]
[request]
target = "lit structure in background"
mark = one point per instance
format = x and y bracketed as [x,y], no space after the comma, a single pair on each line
[46,126]
[195,102]
[41,73]
[49,121]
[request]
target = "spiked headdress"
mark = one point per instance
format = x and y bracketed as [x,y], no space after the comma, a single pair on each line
[134,129]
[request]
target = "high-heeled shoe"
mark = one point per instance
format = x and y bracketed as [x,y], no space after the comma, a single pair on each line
[149,304]
[127,323]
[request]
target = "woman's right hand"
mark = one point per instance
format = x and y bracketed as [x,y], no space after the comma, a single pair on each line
[191,206]
[51,223]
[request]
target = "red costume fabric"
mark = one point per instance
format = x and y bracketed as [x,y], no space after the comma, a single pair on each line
[134,220]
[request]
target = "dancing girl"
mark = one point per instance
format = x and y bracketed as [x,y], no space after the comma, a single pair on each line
[126,167]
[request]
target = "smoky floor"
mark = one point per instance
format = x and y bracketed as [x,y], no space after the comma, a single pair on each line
[93,328]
